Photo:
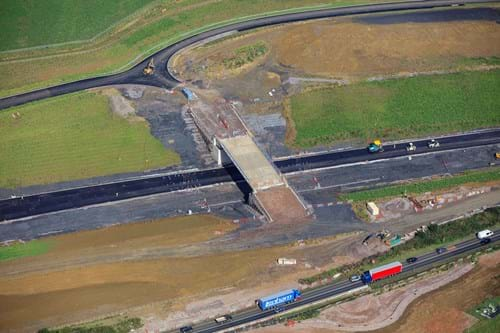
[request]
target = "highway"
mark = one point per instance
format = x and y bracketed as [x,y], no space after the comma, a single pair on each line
[164,78]
[326,291]
[25,206]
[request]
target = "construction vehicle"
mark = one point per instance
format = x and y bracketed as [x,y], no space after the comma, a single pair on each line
[411,147]
[433,144]
[497,156]
[150,68]
[375,146]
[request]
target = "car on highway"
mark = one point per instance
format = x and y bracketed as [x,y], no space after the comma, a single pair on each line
[411,260]
[185,329]
[411,147]
[223,319]
[433,144]
[485,241]
[355,278]
[484,234]
[440,250]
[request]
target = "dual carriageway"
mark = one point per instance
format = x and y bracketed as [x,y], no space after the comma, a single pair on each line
[31,205]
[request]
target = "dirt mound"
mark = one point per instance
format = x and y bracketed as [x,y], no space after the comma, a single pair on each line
[282,205]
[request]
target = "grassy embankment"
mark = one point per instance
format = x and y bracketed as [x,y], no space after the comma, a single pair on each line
[398,108]
[419,187]
[128,42]
[28,23]
[73,137]
[485,325]
[112,325]
[435,236]
[33,248]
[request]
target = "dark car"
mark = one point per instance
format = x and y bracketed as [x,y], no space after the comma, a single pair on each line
[440,250]
[186,329]
[355,278]
[279,309]
[485,241]
[411,260]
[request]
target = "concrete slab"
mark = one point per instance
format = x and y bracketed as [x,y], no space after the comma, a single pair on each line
[254,166]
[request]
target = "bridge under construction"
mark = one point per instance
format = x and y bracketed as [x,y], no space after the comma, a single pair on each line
[232,143]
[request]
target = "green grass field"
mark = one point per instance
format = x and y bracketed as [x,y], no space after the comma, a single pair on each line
[399,108]
[28,23]
[73,137]
[153,30]
[420,187]
[32,248]
[485,325]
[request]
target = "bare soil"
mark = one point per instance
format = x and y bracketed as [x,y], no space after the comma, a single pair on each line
[444,310]
[158,269]
[283,205]
[97,268]
[345,48]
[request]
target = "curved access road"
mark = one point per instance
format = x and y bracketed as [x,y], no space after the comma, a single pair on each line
[163,78]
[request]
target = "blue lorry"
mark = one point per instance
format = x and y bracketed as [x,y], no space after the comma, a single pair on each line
[275,300]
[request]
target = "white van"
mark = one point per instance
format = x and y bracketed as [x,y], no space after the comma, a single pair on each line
[484,234]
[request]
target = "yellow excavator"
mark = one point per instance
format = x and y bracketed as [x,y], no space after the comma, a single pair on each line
[150,68]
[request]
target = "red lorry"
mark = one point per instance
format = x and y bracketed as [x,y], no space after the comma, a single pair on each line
[382,272]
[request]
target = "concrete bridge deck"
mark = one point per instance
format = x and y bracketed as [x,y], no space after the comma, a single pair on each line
[258,171]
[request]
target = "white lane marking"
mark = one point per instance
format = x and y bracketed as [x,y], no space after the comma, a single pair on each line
[225,203]
[385,159]
[339,185]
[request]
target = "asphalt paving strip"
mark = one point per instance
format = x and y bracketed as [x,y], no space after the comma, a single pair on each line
[32,205]
[163,78]
[323,292]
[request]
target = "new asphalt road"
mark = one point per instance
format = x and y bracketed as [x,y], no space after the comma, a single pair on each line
[164,78]
[324,292]
[31,205]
